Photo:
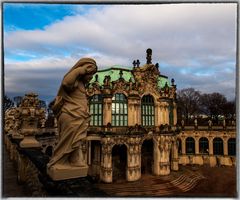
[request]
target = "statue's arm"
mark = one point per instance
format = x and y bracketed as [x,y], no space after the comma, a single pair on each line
[70,79]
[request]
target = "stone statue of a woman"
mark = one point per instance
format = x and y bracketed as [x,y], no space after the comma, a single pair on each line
[71,109]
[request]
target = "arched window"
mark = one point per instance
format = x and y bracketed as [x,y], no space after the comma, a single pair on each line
[232,147]
[148,117]
[119,110]
[217,146]
[95,104]
[190,145]
[203,145]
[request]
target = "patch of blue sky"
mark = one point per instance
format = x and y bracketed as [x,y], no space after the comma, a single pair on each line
[19,58]
[31,16]
[204,73]
[164,64]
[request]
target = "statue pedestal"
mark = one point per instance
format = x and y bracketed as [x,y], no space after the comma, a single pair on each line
[63,172]
[29,142]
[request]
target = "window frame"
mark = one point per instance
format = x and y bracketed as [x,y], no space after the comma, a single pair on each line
[119,110]
[148,111]
[96,110]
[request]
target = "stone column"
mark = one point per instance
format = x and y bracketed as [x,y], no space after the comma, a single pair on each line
[107,110]
[197,145]
[156,155]
[225,147]
[139,112]
[161,114]
[225,160]
[157,114]
[184,159]
[162,147]
[184,145]
[89,151]
[174,113]
[133,111]
[106,164]
[174,161]
[212,158]
[197,158]
[134,163]
[167,113]
[210,140]
[165,148]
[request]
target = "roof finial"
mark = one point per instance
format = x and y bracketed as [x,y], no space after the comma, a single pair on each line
[149,56]
[134,63]
[138,63]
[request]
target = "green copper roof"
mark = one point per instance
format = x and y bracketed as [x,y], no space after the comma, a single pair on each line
[114,71]
[162,80]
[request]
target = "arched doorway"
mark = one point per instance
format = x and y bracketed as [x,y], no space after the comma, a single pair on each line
[119,162]
[95,163]
[232,147]
[217,146]
[190,145]
[147,157]
[203,145]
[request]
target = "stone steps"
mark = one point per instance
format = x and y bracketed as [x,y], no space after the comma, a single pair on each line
[154,185]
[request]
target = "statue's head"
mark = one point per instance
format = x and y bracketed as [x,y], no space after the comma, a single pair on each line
[90,68]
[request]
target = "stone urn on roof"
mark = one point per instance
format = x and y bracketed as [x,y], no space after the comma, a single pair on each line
[29,115]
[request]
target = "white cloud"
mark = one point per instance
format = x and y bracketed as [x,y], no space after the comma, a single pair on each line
[193,36]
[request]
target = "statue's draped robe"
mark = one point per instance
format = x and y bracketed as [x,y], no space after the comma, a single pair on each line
[72,122]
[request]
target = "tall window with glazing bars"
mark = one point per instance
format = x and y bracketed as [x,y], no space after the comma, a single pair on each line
[95,104]
[148,116]
[119,110]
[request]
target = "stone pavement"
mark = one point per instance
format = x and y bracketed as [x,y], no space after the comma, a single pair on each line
[154,186]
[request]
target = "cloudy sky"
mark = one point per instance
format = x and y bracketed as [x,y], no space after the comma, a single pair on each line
[193,43]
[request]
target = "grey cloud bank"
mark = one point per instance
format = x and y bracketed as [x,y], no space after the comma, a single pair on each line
[194,43]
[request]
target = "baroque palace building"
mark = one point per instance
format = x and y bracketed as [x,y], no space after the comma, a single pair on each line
[133,128]
[132,116]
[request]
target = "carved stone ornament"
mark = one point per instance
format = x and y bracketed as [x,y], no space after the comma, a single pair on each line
[28,115]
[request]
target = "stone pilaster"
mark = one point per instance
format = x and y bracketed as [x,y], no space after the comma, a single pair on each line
[167,113]
[174,113]
[174,161]
[134,163]
[210,139]
[197,145]
[183,145]
[225,147]
[161,114]
[89,152]
[162,147]
[107,110]
[133,111]
[106,164]
[157,114]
